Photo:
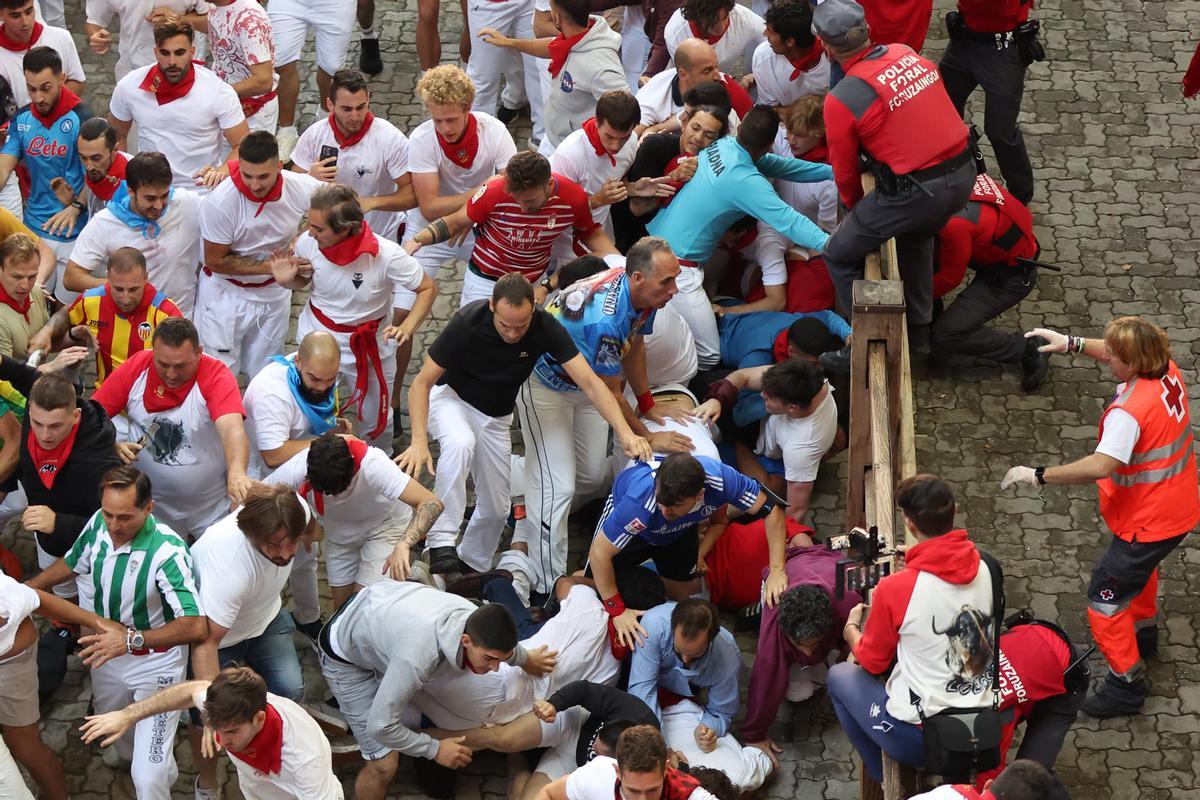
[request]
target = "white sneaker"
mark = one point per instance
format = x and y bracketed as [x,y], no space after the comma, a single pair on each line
[205,794]
[287,138]
[419,572]
[328,715]
[804,682]
[113,760]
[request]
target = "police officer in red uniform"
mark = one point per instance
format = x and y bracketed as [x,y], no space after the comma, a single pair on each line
[1145,470]
[990,234]
[892,107]
[991,44]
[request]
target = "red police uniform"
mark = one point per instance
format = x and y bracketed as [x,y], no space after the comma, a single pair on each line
[994,229]
[892,106]
[899,21]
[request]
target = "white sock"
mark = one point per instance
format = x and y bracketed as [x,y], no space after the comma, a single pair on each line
[287,128]
[369,33]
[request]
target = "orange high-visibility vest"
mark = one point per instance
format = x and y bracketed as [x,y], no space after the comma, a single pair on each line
[1156,495]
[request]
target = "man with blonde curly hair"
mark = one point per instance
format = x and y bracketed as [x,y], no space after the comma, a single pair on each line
[450,155]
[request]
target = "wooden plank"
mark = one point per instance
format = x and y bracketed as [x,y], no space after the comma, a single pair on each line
[881,442]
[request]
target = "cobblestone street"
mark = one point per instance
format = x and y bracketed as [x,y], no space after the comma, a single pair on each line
[1118,184]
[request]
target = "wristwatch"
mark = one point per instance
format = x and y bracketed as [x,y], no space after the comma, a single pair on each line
[1040,474]
[78,205]
[134,640]
[545,284]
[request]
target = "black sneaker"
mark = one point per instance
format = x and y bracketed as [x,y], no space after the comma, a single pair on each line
[1115,697]
[837,361]
[311,630]
[1034,364]
[443,560]
[748,618]
[369,60]
[1147,641]
[507,115]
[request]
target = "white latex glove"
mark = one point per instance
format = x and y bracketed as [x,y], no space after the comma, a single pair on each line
[1055,342]
[1019,475]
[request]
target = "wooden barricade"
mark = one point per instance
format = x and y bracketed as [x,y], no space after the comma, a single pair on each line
[882,449]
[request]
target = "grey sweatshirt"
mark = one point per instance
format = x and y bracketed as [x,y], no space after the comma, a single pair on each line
[592,68]
[403,630]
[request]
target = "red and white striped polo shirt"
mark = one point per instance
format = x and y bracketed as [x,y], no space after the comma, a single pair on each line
[508,239]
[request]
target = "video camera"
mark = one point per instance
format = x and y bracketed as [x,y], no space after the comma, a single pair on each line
[866,564]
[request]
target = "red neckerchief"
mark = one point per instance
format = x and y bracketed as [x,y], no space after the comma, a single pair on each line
[464,150]
[276,191]
[358,451]
[808,60]
[592,131]
[819,154]
[560,47]
[265,750]
[48,462]
[107,186]
[20,47]
[157,396]
[779,350]
[20,308]
[350,140]
[353,246]
[676,786]
[163,90]
[745,240]
[67,100]
[699,34]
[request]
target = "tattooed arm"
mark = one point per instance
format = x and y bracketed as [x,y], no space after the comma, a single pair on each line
[426,509]
[443,229]
[218,258]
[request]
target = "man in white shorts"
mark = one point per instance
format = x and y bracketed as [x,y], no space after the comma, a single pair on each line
[791,62]
[372,513]
[279,751]
[181,110]
[489,62]
[142,575]
[353,276]
[451,155]
[243,55]
[241,312]
[183,424]
[332,21]
[148,215]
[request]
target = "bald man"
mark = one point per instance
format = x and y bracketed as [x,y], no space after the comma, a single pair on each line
[290,402]
[661,98]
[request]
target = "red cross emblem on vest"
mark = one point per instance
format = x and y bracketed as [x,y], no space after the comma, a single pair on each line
[1174,397]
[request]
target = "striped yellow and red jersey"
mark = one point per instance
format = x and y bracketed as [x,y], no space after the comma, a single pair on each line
[120,335]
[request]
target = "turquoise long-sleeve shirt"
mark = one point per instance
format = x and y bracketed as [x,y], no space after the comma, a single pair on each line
[728,185]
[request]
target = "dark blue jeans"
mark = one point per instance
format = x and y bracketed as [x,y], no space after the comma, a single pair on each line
[502,592]
[860,701]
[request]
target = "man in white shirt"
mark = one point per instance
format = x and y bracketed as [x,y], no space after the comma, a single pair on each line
[661,98]
[182,110]
[366,505]
[103,164]
[794,439]
[243,55]
[353,276]
[242,564]
[450,155]
[791,62]
[241,312]
[148,215]
[137,17]
[332,21]
[731,28]
[20,32]
[279,751]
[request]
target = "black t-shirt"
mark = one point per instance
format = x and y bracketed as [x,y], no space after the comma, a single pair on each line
[486,371]
[653,155]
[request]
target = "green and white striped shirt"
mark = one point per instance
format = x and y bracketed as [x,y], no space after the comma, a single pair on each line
[145,583]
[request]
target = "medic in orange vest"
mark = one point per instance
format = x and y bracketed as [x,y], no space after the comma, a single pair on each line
[1145,469]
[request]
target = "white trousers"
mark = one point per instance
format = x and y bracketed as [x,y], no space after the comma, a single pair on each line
[306,600]
[566,444]
[10,197]
[469,441]
[62,254]
[349,374]
[474,288]
[489,62]
[150,748]
[12,785]
[241,332]
[694,306]
[332,24]
[635,46]
[537,83]
[747,767]
[266,118]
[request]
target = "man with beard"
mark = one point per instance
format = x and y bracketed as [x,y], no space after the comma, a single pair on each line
[181,109]
[148,215]
[43,138]
[242,563]
[241,313]
[103,163]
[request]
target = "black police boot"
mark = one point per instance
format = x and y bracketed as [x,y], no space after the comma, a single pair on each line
[1147,641]
[1116,697]
[443,560]
[369,59]
[1034,364]
[837,361]
[748,618]
[506,114]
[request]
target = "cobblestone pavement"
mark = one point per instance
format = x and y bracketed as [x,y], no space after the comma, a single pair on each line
[1112,146]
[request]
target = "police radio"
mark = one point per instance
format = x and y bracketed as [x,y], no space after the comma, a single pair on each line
[866,562]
